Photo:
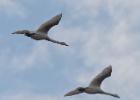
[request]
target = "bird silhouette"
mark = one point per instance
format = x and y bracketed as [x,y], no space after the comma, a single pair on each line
[42,32]
[94,86]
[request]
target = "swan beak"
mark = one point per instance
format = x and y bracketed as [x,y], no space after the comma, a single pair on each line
[17,32]
[74,92]
[14,33]
[66,45]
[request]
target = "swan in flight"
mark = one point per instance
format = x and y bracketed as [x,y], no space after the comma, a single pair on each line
[42,32]
[94,86]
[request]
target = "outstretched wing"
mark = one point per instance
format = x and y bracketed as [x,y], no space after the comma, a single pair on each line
[74,92]
[101,76]
[45,27]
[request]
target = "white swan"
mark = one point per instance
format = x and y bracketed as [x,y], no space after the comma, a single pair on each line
[42,32]
[94,87]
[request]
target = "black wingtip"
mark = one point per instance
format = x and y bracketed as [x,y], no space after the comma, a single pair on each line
[13,33]
[109,67]
[66,45]
[65,95]
[59,14]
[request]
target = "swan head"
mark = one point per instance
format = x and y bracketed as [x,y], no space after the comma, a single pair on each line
[21,32]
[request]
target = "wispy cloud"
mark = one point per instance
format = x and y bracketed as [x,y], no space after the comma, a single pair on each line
[21,62]
[27,96]
[110,37]
[12,7]
[115,43]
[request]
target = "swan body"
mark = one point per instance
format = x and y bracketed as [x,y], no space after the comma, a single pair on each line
[94,86]
[42,32]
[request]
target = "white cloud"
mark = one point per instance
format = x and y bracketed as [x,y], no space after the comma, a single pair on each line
[26,96]
[38,55]
[12,7]
[82,7]
[117,45]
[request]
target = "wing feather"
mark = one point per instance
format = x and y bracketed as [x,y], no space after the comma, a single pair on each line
[101,76]
[45,27]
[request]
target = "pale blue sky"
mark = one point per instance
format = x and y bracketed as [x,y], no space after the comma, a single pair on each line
[99,32]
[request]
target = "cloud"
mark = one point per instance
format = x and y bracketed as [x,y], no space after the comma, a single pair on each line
[12,7]
[37,55]
[81,7]
[26,96]
[103,44]
[29,95]
[110,37]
